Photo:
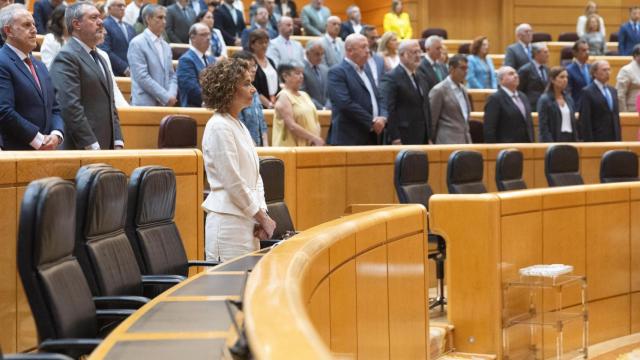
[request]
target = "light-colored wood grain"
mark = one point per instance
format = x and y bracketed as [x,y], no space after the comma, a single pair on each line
[8,276]
[609,318]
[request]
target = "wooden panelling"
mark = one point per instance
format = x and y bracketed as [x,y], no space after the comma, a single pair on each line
[320,311]
[322,199]
[634,217]
[609,318]
[635,312]
[344,332]
[372,304]
[8,277]
[608,252]
[407,335]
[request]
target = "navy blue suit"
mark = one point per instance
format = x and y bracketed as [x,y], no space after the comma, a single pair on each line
[224,22]
[24,109]
[598,122]
[42,10]
[117,45]
[189,67]
[577,81]
[627,38]
[352,111]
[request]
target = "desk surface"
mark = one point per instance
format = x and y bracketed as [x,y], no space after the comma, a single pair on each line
[190,320]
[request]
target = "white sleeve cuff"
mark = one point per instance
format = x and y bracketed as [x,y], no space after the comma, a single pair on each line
[37,141]
[118,143]
[58,134]
[94,146]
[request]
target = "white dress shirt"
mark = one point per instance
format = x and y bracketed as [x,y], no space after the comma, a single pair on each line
[131,13]
[460,97]
[157,44]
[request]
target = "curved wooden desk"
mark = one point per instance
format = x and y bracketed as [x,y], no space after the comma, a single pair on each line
[353,287]
[595,228]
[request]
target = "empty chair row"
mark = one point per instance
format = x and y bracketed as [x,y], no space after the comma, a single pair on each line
[81,272]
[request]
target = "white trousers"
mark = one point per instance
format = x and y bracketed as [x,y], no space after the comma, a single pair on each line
[229,236]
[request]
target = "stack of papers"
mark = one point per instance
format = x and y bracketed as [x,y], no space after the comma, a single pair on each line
[551,270]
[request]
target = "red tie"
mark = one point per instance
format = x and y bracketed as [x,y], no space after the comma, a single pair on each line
[33,71]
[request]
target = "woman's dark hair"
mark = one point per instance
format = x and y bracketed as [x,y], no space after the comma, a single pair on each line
[140,18]
[201,15]
[476,45]
[553,74]
[256,35]
[286,69]
[244,55]
[56,22]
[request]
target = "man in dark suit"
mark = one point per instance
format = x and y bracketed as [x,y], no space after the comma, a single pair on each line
[315,75]
[375,62]
[116,41]
[578,71]
[534,76]
[358,113]
[84,85]
[29,114]
[230,22]
[180,17]
[353,23]
[406,95]
[507,115]
[629,33]
[431,67]
[261,22]
[599,116]
[190,65]
[519,53]
[42,10]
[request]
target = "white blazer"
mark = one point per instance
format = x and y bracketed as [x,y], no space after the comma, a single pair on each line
[233,168]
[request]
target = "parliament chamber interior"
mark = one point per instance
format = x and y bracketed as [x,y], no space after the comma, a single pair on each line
[520,251]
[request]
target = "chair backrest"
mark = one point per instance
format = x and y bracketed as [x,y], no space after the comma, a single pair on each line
[272,173]
[176,52]
[178,131]
[464,173]
[464,48]
[619,166]
[53,281]
[411,177]
[568,36]
[102,246]
[540,36]
[434,31]
[509,170]
[566,54]
[150,226]
[476,130]
[562,166]
[613,37]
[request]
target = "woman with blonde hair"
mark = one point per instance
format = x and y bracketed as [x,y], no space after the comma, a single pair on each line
[236,211]
[295,122]
[398,21]
[388,49]
[591,9]
[593,36]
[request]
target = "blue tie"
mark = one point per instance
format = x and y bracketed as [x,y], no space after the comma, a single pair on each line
[585,73]
[607,95]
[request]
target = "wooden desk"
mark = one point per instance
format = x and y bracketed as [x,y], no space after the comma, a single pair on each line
[17,169]
[489,237]
[355,286]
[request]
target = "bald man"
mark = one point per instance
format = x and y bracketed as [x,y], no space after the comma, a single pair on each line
[358,114]
[332,43]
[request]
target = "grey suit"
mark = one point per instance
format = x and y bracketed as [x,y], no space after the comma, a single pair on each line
[315,84]
[448,122]
[331,56]
[85,95]
[178,23]
[314,21]
[516,56]
[153,81]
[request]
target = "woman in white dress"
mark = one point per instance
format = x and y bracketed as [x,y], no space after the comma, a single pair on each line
[236,209]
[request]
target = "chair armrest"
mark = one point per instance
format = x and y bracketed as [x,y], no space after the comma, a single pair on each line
[161,279]
[113,314]
[202,263]
[40,356]
[120,302]
[268,243]
[82,345]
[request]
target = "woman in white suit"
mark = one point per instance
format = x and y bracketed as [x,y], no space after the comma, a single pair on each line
[236,209]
